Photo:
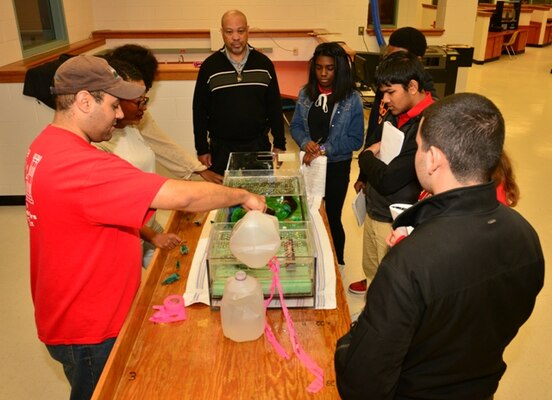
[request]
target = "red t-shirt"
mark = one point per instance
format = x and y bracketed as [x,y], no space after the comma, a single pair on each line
[84,210]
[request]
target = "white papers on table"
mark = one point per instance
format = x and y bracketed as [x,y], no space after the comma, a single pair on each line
[391,142]
[315,177]
[359,207]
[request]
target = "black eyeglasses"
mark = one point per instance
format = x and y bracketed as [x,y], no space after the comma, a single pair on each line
[141,102]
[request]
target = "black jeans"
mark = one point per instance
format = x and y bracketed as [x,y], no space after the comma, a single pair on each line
[337,183]
[83,364]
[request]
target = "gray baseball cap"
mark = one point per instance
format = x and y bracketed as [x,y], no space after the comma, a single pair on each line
[92,73]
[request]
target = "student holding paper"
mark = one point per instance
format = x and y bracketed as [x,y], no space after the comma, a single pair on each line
[400,78]
[329,121]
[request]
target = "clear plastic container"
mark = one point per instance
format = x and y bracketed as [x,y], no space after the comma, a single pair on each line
[242,308]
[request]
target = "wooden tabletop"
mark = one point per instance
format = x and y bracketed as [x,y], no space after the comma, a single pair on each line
[192,359]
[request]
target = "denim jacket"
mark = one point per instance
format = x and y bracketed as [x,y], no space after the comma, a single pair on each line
[346,126]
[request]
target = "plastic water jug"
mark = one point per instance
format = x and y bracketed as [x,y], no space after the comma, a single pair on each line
[255,239]
[242,308]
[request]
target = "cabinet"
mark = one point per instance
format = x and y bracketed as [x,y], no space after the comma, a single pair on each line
[494,46]
[495,40]
[548,33]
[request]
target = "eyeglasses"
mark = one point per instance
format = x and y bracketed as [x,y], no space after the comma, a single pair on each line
[141,102]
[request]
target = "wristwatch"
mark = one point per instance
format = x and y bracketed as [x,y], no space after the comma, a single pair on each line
[322,150]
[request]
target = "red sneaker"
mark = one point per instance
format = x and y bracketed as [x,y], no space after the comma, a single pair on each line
[359,287]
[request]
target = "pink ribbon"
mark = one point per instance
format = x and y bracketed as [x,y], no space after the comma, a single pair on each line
[305,359]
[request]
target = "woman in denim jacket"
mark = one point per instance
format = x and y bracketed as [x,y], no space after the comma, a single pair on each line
[329,121]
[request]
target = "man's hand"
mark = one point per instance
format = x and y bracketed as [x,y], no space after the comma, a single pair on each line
[375,148]
[277,151]
[165,240]
[308,158]
[313,148]
[359,185]
[255,202]
[210,176]
[205,159]
[396,236]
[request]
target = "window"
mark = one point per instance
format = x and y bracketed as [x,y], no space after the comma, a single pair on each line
[41,25]
[387,12]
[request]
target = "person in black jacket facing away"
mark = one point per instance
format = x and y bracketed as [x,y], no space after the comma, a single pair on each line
[447,299]
[236,99]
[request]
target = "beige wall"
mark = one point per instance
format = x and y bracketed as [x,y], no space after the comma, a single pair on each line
[22,118]
[78,16]
[339,17]
[10,49]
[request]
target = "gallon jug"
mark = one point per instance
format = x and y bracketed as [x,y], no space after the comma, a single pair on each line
[242,308]
[255,239]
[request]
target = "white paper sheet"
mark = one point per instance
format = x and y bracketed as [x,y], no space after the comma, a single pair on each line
[359,207]
[392,140]
[315,177]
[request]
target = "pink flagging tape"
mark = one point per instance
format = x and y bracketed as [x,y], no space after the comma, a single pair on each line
[172,310]
[268,330]
[316,385]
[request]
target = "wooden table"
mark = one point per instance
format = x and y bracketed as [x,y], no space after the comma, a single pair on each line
[193,360]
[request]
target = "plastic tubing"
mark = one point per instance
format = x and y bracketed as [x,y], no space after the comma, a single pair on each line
[376,21]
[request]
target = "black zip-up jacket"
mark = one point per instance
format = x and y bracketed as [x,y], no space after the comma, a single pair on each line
[395,182]
[445,302]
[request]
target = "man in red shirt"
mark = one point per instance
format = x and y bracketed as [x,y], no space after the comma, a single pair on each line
[84,210]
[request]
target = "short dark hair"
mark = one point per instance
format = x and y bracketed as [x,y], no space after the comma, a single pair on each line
[400,68]
[126,70]
[410,39]
[139,56]
[469,129]
[343,84]
[64,101]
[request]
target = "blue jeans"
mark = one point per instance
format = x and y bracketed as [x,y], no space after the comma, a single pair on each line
[83,364]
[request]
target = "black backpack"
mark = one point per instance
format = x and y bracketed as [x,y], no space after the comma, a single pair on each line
[39,79]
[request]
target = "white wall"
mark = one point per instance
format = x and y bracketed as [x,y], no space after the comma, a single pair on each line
[459,21]
[541,16]
[10,49]
[21,118]
[338,17]
[79,19]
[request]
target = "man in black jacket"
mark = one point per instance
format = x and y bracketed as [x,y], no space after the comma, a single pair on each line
[447,299]
[236,99]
